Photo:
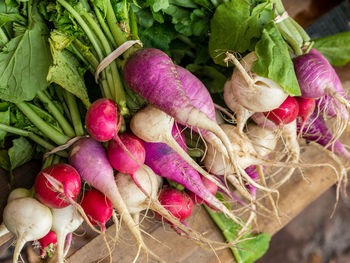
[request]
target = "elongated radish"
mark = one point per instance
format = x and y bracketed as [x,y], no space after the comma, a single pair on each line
[212,188]
[48,244]
[90,159]
[28,220]
[103,120]
[285,113]
[167,163]
[61,193]
[253,92]
[316,130]
[153,125]
[97,207]
[65,220]
[151,73]
[242,114]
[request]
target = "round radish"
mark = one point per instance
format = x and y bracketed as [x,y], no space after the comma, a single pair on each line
[101,120]
[58,185]
[285,113]
[121,150]
[97,207]
[48,244]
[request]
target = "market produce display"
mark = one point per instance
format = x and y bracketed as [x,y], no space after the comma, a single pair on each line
[155,106]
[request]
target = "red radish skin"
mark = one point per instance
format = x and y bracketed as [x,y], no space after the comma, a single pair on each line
[120,159]
[101,120]
[285,113]
[48,194]
[178,203]
[90,159]
[151,73]
[48,244]
[306,108]
[97,207]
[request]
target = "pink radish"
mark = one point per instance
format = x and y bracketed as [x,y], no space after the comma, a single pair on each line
[151,73]
[60,191]
[97,207]
[48,244]
[285,113]
[103,120]
[28,220]
[90,159]
[212,188]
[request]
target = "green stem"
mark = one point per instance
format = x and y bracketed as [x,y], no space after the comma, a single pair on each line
[40,141]
[84,26]
[74,113]
[104,26]
[222,226]
[48,162]
[56,159]
[45,128]
[114,25]
[133,25]
[51,107]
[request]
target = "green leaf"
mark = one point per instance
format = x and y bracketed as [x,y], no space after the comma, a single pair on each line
[65,71]
[234,27]
[183,3]
[4,160]
[158,5]
[335,48]
[158,36]
[24,61]
[20,153]
[274,61]
[6,18]
[5,119]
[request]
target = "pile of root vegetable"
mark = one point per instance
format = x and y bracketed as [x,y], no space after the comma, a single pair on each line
[159,105]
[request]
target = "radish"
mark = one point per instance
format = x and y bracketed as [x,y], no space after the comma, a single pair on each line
[103,120]
[28,220]
[90,159]
[48,244]
[167,163]
[126,154]
[212,188]
[151,73]
[177,202]
[18,193]
[253,92]
[97,207]
[58,185]
[64,221]
[285,113]
[306,108]
[242,114]
[263,140]
[153,125]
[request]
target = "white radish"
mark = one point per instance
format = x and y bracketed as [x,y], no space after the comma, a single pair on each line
[65,221]
[263,140]
[28,220]
[18,193]
[253,92]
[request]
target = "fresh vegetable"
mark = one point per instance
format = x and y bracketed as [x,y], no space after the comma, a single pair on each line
[306,108]
[285,113]
[64,221]
[48,244]
[57,186]
[97,207]
[212,188]
[21,220]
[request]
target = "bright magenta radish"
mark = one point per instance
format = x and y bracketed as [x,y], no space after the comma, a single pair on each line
[48,244]
[306,108]
[102,120]
[58,185]
[212,188]
[120,159]
[178,203]
[285,113]
[90,159]
[151,73]
[97,207]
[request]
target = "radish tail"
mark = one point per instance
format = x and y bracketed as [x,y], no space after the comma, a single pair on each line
[19,245]
[67,244]
[61,238]
[3,230]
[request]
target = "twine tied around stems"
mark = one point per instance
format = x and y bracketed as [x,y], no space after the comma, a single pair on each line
[63,146]
[280,18]
[114,55]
